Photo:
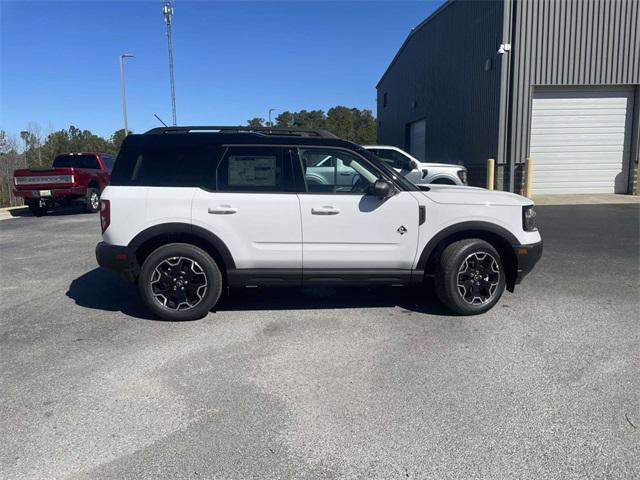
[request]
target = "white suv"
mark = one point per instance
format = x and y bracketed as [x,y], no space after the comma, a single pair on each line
[192,209]
[420,173]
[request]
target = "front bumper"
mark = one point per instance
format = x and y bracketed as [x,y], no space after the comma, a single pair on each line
[527,256]
[118,260]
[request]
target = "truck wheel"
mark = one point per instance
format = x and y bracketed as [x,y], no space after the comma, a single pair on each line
[470,278]
[93,200]
[36,210]
[180,282]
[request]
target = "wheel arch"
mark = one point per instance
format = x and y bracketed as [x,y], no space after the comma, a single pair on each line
[444,179]
[154,237]
[94,184]
[500,238]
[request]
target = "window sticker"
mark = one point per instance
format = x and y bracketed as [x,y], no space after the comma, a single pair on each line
[252,171]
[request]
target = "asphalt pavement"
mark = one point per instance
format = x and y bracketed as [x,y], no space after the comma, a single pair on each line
[322,383]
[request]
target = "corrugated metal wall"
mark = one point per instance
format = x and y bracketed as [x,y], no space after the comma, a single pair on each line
[448,72]
[569,42]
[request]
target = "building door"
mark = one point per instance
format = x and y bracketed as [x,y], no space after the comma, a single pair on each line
[418,139]
[581,139]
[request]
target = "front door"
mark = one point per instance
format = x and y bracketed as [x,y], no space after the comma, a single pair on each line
[344,227]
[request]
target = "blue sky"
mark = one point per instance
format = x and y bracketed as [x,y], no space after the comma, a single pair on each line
[233,59]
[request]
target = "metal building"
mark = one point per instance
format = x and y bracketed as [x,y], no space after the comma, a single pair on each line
[554,80]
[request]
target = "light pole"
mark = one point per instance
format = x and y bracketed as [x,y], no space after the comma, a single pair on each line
[167,11]
[270,122]
[122,92]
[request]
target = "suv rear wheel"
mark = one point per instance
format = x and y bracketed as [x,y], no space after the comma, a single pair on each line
[470,278]
[180,282]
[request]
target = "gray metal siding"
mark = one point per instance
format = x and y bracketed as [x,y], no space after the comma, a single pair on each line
[439,75]
[569,42]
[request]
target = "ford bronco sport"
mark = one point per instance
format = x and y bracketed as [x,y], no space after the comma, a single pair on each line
[192,209]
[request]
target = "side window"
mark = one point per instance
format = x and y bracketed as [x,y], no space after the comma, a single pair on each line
[166,166]
[255,169]
[108,162]
[335,171]
[394,159]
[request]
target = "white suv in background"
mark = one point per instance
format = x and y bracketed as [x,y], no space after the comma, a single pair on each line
[420,173]
[190,210]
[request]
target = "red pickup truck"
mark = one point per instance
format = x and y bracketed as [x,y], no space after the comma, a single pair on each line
[73,178]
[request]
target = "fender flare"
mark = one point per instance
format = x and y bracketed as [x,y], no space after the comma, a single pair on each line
[184,228]
[488,227]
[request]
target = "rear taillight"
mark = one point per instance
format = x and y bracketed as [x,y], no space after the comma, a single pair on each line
[462,175]
[105,214]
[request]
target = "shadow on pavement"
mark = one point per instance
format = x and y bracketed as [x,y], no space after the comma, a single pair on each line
[56,212]
[100,290]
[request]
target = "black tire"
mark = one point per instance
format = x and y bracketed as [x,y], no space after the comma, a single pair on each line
[465,279]
[170,265]
[36,210]
[92,202]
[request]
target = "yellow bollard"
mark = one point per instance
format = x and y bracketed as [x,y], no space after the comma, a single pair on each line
[491,171]
[528,177]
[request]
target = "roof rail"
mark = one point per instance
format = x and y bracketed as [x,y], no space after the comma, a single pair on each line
[276,131]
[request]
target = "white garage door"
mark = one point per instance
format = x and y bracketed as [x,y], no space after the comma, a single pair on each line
[580,139]
[418,139]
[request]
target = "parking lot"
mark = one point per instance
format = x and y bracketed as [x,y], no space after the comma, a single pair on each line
[322,383]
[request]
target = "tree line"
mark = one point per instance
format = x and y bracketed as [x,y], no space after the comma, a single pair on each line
[35,149]
[352,124]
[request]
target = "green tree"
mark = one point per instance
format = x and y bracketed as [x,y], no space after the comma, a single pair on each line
[255,122]
[353,124]
[116,140]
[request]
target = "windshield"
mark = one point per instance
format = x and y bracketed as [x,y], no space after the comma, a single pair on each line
[382,165]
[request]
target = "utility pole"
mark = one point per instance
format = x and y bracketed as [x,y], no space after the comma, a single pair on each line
[122,92]
[167,11]
[270,122]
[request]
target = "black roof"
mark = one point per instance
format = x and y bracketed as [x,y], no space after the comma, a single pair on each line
[199,135]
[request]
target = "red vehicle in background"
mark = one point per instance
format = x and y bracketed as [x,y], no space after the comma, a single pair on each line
[73,178]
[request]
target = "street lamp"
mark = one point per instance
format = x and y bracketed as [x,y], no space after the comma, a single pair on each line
[270,122]
[122,91]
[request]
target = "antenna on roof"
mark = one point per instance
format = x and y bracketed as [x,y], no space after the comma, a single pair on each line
[160,120]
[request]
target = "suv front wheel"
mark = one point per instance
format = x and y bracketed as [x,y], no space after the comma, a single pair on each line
[470,278]
[180,282]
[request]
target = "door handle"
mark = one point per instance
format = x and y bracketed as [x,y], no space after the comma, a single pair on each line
[326,210]
[345,174]
[223,210]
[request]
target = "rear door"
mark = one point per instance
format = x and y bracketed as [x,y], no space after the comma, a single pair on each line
[254,209]
[344,227]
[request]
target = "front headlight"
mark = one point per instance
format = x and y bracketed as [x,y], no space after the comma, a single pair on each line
[529,218]
[462,175]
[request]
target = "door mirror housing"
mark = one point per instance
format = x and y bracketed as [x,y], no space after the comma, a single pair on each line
[413,165]
[381,189]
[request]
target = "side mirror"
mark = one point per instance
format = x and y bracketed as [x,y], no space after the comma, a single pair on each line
[382,189]
[413,165]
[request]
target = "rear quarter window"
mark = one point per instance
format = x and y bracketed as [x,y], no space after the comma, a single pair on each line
[192,166]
